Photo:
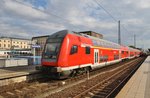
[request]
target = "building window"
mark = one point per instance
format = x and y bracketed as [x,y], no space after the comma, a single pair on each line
[0,45]
[74,49]
[87,50]
[4,45]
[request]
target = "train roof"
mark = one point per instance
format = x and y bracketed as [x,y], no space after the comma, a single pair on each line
[96,41]
[102,42]
[60,34]
[132,49]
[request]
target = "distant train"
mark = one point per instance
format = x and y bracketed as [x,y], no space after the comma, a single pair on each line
[67,53]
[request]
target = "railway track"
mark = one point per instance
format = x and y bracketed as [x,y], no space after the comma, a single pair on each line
[47,87]
[98,86]
[109,87]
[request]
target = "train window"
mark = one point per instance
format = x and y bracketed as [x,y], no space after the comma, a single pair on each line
[74,49]
[57,40]
[101,58]
[116,57]
[87,50]
[106,58]
[51,50]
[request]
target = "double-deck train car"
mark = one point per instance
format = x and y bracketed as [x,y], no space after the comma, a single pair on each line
[67,53]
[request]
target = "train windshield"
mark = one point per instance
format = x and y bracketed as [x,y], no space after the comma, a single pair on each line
[52,48]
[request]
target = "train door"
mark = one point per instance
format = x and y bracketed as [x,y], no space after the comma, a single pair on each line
[96,56]
[119,54]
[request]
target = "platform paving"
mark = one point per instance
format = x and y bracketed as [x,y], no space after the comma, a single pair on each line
[139,84]
[16,71]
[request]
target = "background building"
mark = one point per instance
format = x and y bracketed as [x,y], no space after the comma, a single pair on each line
[10,47]
[9,43]
[40,41]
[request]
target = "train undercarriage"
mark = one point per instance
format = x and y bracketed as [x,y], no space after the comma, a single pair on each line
[51,72]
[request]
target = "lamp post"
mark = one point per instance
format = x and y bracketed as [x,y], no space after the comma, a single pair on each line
[34,46]
[119,35]
[134,40]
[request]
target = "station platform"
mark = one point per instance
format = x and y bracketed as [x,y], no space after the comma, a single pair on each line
[16,71]
[139,84]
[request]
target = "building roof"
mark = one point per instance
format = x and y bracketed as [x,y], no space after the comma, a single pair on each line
[3,37]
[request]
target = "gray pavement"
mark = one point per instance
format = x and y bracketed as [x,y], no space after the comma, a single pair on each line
[139,85]
[16,71]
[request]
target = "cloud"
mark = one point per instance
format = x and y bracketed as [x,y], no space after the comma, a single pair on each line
[18,9]
[24,18]
[44,26]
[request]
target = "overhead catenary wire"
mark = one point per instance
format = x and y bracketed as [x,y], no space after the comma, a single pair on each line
[106,11]
[109,14]
[67,20]
[42,11]
[51,14]
[100,6]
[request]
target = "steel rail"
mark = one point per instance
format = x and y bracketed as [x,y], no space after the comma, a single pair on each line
[102,82]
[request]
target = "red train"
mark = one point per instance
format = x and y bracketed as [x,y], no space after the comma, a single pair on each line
[68,53]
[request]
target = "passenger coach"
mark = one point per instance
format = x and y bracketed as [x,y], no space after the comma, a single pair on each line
[68,53]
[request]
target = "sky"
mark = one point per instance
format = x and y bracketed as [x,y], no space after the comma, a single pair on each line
[30,18]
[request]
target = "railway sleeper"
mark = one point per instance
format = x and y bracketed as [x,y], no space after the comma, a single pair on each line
[10,93]
[101,93]
[105,90]
[95,91]
[99,89]
[18,91]
[33,87]
[87,97]
[108,88]
[98,96]
[91,93]
[26,89]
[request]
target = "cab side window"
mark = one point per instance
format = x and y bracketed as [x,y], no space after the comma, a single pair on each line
[87,50]
[74,49]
